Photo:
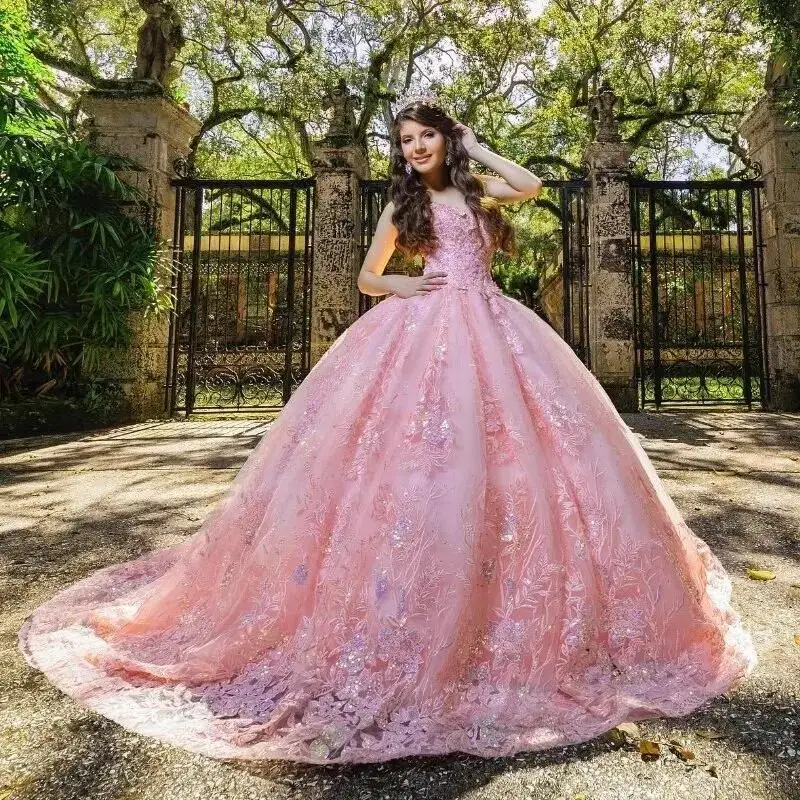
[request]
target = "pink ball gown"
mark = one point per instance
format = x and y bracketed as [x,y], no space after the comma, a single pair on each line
[449,540]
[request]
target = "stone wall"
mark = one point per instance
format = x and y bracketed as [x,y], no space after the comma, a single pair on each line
[337,225]
[154,132]
[776,147]
[611,322]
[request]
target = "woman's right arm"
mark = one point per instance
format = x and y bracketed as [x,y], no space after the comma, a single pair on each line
[371,280]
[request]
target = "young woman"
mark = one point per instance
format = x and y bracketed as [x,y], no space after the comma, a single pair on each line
[448,541]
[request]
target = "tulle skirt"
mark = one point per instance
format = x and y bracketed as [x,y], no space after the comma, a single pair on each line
[449,540]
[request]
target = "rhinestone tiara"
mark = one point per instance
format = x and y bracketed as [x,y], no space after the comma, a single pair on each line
[405,99]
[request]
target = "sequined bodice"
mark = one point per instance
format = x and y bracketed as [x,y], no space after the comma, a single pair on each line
[461,252]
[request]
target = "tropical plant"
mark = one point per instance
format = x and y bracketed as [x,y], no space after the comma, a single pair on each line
[20,71]
[77,255]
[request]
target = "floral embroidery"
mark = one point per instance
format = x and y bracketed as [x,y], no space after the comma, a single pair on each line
[553,412]
[503,437]
[476,560]
[381,585]
[400,516]
[430,433]
[510,513]
[300,573]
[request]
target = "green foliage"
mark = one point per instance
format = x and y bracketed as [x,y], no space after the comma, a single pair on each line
[22,279]
[20,72]
[97,260]
[782,19]
[93,404]
[75,256]
[520,281]
[256,74]
[15,41]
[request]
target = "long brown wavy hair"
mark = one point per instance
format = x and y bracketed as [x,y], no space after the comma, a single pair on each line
[412,213]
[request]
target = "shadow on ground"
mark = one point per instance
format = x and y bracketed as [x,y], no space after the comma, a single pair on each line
[75,503]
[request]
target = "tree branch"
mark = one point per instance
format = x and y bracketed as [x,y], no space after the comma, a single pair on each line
[70,67]
[553,160]
[653,120]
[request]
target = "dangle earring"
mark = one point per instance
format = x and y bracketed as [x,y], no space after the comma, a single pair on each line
[447,159]
[408,168]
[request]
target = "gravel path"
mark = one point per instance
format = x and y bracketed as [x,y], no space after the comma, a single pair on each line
[70,504]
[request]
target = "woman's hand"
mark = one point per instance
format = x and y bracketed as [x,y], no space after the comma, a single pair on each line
[468,138]
[406,286]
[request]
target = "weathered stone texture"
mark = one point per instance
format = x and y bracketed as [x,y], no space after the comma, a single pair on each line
[337,219]
[610,292]
[776,147]
[153,131]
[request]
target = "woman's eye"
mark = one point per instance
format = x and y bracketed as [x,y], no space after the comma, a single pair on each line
[428,134]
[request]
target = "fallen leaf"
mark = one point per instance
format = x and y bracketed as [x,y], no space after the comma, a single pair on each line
[649,749]
[683,753]
[760,574]
[616,737]
[629,729]
[797,638]
[710,734]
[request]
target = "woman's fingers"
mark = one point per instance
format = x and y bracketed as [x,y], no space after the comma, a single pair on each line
[431,281]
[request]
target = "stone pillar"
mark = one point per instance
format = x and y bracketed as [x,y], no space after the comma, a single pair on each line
[339,165]
[153,131]
[611,311]
[776,147]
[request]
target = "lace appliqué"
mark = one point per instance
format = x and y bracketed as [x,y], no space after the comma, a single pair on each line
[503,437]
[429,434]
[363,611]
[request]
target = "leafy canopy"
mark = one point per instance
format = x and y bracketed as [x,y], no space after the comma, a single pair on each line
[256,72]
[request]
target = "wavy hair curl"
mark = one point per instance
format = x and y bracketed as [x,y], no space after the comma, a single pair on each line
[412,213]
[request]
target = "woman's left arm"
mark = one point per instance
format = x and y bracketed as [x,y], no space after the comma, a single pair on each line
[517,183]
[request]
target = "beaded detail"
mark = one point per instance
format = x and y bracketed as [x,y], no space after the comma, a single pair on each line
[466,257]
[449,540]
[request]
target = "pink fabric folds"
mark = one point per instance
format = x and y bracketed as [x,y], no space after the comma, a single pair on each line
[448,541]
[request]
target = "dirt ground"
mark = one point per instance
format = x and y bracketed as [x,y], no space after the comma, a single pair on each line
[70,504]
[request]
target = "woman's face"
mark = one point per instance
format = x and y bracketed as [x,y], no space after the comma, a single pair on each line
[424,147]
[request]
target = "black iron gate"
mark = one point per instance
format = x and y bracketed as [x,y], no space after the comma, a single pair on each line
[699,292]
[374,196]
[563,204]
[239,333]
[567,202]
